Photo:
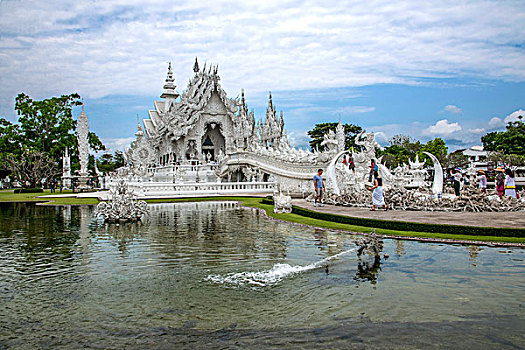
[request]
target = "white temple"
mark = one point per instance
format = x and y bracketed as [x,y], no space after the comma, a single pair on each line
[204,141]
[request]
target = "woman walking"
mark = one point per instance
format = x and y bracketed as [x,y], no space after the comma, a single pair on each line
[378,198]
[510,184]
[500,181]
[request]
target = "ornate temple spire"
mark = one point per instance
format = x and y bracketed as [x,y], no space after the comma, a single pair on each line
[270,103]
[169,86]
[281,121]
[139,128]
[340,136]
[196,66]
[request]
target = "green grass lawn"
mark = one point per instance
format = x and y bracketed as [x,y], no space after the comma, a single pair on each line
[10,196]
[254,202]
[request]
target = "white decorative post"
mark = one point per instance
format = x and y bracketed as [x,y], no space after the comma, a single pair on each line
[83,148]
[66,170]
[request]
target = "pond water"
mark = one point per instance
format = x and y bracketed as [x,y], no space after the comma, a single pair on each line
[215,275]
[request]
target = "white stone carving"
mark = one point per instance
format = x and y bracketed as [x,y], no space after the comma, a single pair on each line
[83,144]
[282,203]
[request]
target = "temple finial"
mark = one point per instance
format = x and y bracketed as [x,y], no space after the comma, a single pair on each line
[82,104]
[169,85]
[196,66]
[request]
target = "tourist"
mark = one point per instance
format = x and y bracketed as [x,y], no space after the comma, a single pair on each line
[378,199]
[373,167]
[457,181]
[319,188]
[351,164]
[482,181]
[510,184]
[345,162]
[53,185]
[500,181]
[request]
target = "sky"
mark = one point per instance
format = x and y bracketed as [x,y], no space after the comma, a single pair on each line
[449,69]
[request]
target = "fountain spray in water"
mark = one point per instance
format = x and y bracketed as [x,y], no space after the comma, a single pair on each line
[271,276]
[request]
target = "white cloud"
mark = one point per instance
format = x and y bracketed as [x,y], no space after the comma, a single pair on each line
[355,109]
[452,109]
[513,117]
[117,144]
[477,131]
[381,138]
[122,47]
[299,139]
[496,123]
[442,128]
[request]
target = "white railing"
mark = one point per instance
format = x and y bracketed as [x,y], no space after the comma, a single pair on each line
[166,189]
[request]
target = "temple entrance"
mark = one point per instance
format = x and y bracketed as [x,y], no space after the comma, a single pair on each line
[213,142]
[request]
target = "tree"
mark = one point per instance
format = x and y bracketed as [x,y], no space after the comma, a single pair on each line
[511,141]
[10,141]
[109,162]
[509,159]
[438,148]
[48,125]
[401,149]
[45,128]
[319,130]
[32,167]
[456,159]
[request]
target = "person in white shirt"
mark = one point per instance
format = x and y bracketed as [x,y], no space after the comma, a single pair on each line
[482,181]
[510,184]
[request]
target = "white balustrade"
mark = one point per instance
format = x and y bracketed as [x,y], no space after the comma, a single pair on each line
[169,189]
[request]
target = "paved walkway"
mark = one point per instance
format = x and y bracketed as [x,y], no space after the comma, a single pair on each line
[488,219]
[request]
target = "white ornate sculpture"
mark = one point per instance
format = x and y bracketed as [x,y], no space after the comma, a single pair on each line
[282,203]
[141,153]
[437,185]
[83,149]
[83,144]
[122,206]
[66,170]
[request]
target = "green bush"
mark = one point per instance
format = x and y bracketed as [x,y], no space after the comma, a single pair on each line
[29,190]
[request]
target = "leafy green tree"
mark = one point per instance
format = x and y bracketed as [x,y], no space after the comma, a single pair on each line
[44,130]
[510,141]
[510,159]
[10,141]
[109,162]
[47,125]
[437,147]
[403,147]
[456,159]
[319,130]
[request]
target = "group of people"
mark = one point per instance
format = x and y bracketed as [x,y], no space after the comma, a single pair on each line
[378,198]
[504,180]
